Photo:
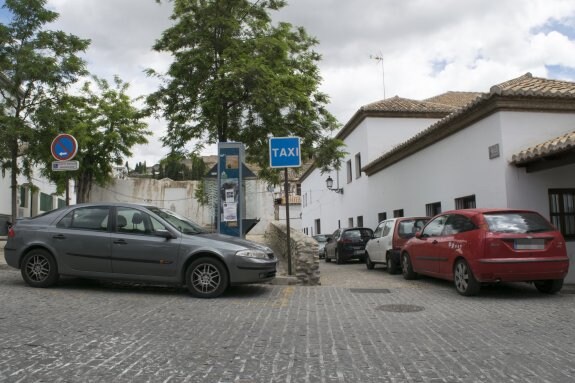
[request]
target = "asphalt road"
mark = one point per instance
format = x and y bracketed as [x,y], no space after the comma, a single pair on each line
[359,326]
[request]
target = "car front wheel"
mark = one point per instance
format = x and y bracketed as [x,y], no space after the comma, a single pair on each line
[39,269]
[206,278]
[549,287]
[368,263]
[406,268]
[464,281]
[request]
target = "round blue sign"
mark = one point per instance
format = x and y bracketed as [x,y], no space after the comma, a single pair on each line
[64,147]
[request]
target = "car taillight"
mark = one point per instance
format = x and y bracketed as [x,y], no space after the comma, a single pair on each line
[11,233]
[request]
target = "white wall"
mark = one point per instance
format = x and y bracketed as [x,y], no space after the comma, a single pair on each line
[41,183]
[371,138]
[179,197]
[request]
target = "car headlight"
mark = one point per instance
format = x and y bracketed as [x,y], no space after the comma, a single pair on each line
[252,254]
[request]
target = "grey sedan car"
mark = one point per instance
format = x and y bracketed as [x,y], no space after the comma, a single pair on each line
[124,241]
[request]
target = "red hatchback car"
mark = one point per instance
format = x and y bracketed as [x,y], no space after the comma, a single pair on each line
[474,246]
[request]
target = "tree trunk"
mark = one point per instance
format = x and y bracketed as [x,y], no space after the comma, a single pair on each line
[14,179]
[83,187]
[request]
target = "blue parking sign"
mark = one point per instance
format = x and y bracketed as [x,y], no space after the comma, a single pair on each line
[285,152]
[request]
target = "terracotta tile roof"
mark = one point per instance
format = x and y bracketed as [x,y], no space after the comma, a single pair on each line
[457,99]
[398,104]
[524,86]
[554,146]
[527,85]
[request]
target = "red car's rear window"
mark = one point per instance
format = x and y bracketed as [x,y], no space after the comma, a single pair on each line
[517,222]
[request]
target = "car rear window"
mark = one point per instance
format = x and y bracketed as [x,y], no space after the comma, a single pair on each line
[407,229]
[517,222]
[357,233]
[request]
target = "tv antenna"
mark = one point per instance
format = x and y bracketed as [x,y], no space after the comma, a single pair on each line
[379,59]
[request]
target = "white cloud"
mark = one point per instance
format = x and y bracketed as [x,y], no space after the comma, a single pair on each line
[479,43]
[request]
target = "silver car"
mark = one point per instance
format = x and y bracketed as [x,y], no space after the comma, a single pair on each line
[124,241]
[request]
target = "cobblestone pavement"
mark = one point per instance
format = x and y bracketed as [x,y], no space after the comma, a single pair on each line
[359,326]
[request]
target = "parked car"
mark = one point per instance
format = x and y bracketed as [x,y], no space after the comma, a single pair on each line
[346,244]
[475,246]
[321,241]
[133,242]
[388,239]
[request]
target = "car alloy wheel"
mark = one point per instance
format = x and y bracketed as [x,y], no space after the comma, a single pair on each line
[206,278]
[465,282]
[406,268]
[39,269]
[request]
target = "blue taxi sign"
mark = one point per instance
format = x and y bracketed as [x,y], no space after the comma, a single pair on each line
[285,152]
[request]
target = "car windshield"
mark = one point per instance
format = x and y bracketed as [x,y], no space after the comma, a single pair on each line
[517,222]
[182,224]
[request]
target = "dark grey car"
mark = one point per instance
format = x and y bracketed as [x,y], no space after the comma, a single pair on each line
[133,242]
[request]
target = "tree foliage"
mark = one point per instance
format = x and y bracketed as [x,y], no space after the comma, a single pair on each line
[178,167]
[36,65]
[106,124]
[237,77]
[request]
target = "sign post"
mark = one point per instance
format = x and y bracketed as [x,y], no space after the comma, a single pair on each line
[64,147]
[285,152]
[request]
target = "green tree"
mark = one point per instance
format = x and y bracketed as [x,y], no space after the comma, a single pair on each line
[38,64]
[237,77]
[106,125]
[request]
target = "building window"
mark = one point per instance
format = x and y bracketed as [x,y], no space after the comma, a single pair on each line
[61,203]
[562,211]
[465,202]
[348,165]
[398,213]
[350,222]
[305,200]
[23,199]
[317,226]
[432,209]
[360,220]
[46,203]
[358,165]
[381,217]
[298,189]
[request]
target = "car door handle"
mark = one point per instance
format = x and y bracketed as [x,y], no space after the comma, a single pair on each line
[59,236]
[120,242]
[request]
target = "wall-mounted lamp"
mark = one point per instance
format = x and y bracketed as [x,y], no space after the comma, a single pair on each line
[329,183]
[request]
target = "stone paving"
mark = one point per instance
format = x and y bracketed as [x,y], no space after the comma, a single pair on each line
[359,326]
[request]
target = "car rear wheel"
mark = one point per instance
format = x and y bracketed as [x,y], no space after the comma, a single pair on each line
[39,269]
[465,282]
[549,287]
[338,259]
[406,268]
[368,263]
[392,267]
[206,278]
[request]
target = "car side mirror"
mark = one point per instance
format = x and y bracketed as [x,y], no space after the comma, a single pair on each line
[164,234]
[418,235]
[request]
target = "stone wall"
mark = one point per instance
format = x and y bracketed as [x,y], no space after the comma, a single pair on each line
[305,261]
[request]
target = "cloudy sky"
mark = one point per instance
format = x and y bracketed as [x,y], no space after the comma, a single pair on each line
[428,46]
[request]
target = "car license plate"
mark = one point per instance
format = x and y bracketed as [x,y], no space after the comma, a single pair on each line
[530,244]
[359,252]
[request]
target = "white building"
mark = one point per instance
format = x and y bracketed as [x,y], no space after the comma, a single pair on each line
[512,147]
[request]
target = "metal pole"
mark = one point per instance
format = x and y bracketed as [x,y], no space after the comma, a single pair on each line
[67,190]
[286,191]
